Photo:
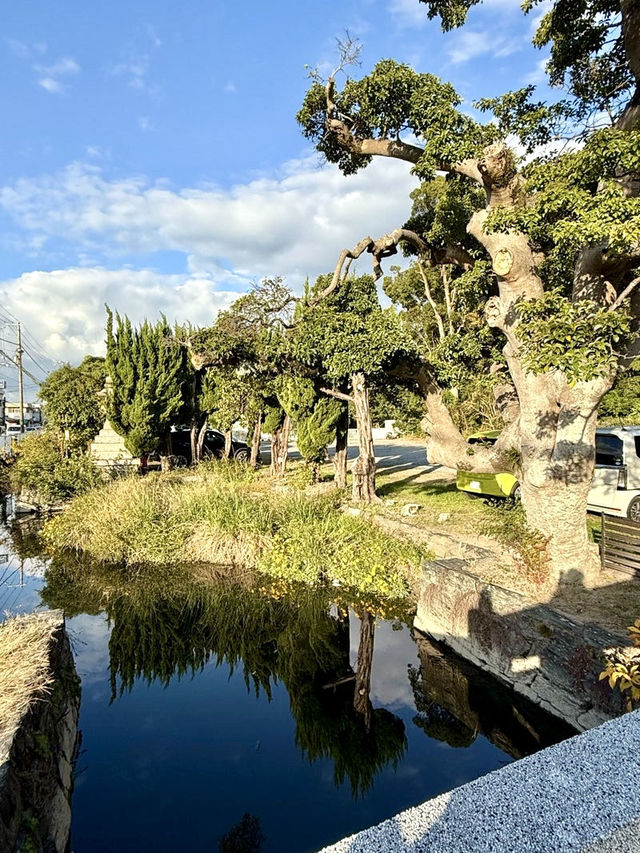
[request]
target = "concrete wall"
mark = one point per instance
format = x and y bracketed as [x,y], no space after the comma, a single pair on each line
[543,654]
[36,762]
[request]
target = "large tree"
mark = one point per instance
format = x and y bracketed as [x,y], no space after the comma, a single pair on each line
[561,233]
[343,334]
[242,354]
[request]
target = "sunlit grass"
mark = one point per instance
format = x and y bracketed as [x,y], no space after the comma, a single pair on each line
[229,514]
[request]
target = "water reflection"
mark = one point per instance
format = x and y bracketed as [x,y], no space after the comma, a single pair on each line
[456,702]
[167,623]
[275,716]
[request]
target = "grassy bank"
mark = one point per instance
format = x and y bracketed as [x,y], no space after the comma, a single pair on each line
[228,514]
[25,676]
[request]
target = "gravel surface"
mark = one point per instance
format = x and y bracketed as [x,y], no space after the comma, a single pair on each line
[580,795]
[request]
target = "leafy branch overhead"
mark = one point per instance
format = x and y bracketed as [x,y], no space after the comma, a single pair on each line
[548,251]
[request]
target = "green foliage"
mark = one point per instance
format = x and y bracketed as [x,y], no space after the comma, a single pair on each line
[508,524]
[622,403]
[581,338]
[70,396]
[399,403]
[273,416]
[533,122]
[349,332]
[318,428]
[441,209]
[151,383]
[587,51]
[623,669]
[577,200]
[46,468]
[588,54]
[314,415]
[394,99]
[227,516]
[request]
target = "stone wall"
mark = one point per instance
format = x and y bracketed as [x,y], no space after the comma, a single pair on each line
[543,654]
[36,766]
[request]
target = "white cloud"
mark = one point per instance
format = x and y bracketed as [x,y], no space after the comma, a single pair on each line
[408,13]
[135,70]
[64,309]
[230,88]
[294,225]
[50,82]
[54,87]
[539,74]
[23,50]
[468,44]
[64,66]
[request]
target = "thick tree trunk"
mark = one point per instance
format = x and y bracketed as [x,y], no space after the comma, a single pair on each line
[280,448]
[255,441]
[340,455]
[364,468]
[361,696]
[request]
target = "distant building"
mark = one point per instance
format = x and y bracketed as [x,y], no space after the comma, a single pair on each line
[32,413]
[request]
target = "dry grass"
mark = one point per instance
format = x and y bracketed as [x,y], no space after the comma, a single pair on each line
[25,676]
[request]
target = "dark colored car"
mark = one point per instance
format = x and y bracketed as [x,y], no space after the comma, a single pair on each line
[213,446]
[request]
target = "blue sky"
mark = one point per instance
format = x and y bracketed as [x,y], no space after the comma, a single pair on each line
[150,156]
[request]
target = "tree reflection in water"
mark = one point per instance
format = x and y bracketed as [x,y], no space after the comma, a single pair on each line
[172,623]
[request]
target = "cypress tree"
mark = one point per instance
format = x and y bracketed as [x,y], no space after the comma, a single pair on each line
[151,378]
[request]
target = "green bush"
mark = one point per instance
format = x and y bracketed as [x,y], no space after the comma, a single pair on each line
[232,517]
[45,468]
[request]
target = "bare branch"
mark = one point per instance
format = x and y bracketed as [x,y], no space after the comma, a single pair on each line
[633,284]
[346,398]
[345,254]
[430,299]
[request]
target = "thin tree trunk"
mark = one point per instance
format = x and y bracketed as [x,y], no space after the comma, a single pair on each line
[255,441]
[280,448]
[227,444]
[361,696]
[340,455]
[201,436]
[364,468]
[194,442]
[166,460]
[194,420]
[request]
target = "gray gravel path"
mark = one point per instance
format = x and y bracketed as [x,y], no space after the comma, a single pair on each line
[580,795]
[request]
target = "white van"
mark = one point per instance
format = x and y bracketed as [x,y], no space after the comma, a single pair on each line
[615,488]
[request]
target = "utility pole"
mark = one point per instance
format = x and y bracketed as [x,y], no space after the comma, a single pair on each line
[20,378]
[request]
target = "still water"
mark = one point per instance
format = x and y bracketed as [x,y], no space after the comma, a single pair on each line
[230,716]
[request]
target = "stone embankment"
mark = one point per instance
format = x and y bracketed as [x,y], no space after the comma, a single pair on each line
[38,743]
[552,659]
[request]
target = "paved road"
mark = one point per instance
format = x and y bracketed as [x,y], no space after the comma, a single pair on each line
[399,458]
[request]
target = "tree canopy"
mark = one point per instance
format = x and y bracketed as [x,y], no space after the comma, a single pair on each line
[71,402]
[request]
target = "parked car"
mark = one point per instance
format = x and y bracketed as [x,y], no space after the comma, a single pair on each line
[503,485]
[615,487]
[213,446]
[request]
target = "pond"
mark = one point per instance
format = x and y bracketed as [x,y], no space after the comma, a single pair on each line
[236,716]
